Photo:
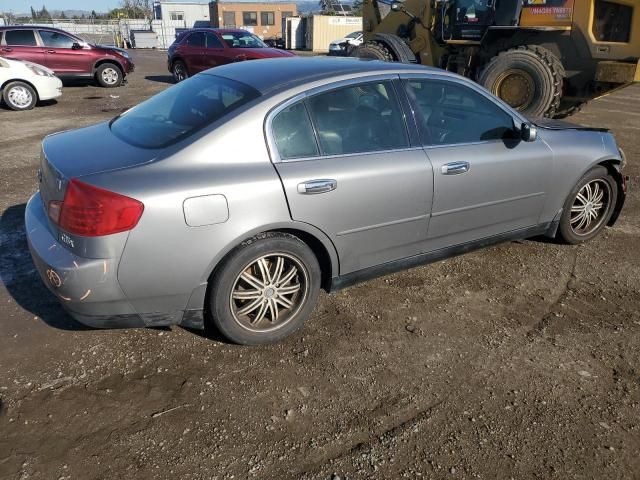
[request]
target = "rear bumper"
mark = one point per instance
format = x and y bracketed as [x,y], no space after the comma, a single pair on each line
[87,288]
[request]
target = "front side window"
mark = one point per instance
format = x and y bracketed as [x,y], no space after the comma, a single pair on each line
[250,19]
[293,133]
[612,22]
[449,113]
[358,119]
[196,39]
[181,110]
[20,38]
[242,40]
[267,18]
[56,40]
[213,41]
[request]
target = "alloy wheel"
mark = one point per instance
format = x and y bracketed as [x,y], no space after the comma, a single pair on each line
[590,207]
[179,72]
[110,76]
[269,292]
[20,96]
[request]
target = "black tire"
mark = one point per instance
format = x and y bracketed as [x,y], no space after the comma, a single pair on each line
[109,75]
[19,96]
[374,51]
[566,109]
[570,234]
[179,71]
[226,311]
[534,66]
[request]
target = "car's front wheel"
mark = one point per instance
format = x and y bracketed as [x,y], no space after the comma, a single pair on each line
[109,75]
[19,96]
[179,71]
[588,207]
[265,289]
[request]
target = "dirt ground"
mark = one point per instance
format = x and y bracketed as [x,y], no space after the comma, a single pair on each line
[518,361]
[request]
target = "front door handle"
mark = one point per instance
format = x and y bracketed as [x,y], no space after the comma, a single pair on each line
[7,49]
[455,168]
[51,51]
[313,187]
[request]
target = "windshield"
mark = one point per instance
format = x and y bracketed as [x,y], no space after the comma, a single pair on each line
[242,40]
[181,110]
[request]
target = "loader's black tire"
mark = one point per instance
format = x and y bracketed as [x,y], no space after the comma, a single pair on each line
[529,78]
[566,109]
[373,51]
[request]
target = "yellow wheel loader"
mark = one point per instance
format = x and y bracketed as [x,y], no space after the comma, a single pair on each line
[542,57]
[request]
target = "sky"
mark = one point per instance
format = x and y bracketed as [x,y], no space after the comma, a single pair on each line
[21,6]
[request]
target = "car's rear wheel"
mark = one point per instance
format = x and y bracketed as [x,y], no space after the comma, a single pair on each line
[179,71]
[19,96]
[589,206]
[265,289]
[109,75]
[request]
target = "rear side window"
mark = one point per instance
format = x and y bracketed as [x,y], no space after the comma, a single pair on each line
[612,22]
[213,41]
[196,39]
[181,110]
[56,40]
[449,114]
[24,38]
[358,119]
[293,133]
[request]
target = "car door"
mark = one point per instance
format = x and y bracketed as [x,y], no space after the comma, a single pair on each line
[487,181]
[61,56]
[215,52]
[348,168]
[193,52]
[21,44]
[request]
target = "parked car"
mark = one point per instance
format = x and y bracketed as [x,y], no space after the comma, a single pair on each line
[200,49]
[23,84]
[245,189]
[343,46]
[67,55]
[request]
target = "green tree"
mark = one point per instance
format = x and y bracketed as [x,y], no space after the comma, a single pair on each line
[34,15]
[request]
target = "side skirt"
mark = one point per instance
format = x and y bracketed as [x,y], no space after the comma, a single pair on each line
[343,281]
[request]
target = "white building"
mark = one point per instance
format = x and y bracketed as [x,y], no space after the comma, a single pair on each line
[191,14]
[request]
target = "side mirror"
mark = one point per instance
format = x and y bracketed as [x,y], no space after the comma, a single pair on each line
[396,6]
[76,46]
[528,132]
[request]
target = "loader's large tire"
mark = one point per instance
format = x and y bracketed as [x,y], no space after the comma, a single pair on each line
[529,78]
[374,51]
[566,109]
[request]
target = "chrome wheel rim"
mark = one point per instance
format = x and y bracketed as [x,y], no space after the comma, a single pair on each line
[590,207]
[20,96]
[179,72]
[110,75]
[269,292]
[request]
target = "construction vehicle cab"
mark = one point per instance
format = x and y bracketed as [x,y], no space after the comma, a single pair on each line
[543,57]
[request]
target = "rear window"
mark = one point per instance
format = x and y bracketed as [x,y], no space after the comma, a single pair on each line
[25,38]
[181,110]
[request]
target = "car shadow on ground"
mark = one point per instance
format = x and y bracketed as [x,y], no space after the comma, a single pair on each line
[20,277]
[160,78]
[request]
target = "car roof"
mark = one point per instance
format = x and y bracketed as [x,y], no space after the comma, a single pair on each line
[218,30]
[268,75]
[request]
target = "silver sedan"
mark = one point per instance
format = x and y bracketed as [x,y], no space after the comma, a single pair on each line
[228,200]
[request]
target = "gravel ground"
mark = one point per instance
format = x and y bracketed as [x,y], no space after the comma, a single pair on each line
[519,361]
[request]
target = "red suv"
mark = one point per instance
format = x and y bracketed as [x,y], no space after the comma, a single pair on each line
[67,55]
[202,48]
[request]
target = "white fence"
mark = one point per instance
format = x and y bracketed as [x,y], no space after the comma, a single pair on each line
[110,32]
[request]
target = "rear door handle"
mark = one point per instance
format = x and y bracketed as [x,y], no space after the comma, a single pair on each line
[7,49]
[313,187]
[51,51]
[455,168]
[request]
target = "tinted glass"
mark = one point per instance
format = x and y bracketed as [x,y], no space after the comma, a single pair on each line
[196,39]
[242,40]
[181,110]
[293,133]
[25,38]
[358,119]
[213,41]
[56,40]
[449,113]
[612,22]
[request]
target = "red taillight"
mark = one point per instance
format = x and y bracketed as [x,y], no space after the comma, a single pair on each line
[92,212]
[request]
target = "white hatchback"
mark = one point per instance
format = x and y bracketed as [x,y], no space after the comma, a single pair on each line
[23,84]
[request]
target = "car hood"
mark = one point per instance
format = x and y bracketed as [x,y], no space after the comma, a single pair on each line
[263,52]
[553,124]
